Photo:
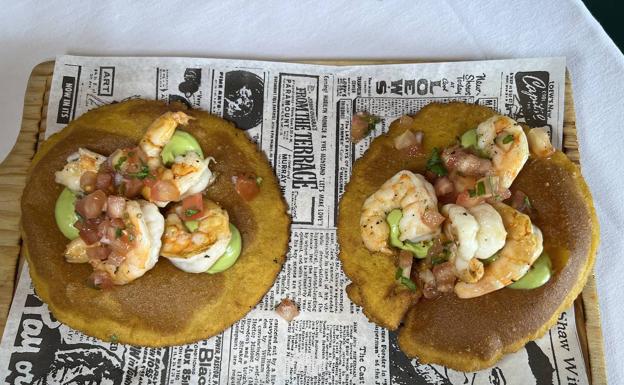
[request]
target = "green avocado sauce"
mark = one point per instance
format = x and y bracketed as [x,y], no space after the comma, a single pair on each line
[65,214]
[181,143]
[232,252]
[419,249]
[538,274]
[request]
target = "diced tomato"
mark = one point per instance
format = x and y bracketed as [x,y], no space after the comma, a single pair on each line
[100,280]
[89,230]
[444,274]
[443,186]
[120,245]
[131,187]
[359,128]
[246,186]
[287,309]
[150,180]
[92,205]
[104,181]
[432,218]
[193,205]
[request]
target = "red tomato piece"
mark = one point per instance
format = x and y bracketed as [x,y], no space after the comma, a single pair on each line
[246,186]
[193,205]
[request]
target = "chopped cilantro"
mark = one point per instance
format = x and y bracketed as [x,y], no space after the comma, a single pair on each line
[398,274]
[435,164]
[118,232]
[508,139]
[258,180]
[114,338]
[190,212]
[142,174]
[120,161]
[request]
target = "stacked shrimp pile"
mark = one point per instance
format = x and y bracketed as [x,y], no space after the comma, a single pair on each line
[121,230]
[453,218]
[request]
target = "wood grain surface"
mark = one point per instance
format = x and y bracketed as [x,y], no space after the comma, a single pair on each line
[14,169]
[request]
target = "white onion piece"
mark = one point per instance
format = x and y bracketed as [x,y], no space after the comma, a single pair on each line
[408,139]
[115,206]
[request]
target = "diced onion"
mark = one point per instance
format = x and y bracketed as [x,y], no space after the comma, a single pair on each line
[115,206]
[408,140]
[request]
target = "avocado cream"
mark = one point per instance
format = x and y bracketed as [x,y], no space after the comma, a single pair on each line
[181,143]
[231,253]
[65,214]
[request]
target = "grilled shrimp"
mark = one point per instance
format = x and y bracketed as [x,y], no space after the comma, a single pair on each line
[462,228]
[409,192]
[523,246]
[148,225]
[504,141]
[159,133]
[189,173]
[196,251]
[120,257]
[78,163]
[491,235]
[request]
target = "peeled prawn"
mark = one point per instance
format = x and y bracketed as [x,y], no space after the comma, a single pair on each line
[189,172]
[147,224]
[159,133]
[523,246]
[409,192]
[78,163]
[462,228]
[197,251]
[504,141]
[491,235]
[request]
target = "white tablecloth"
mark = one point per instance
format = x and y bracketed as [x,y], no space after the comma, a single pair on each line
[33,31]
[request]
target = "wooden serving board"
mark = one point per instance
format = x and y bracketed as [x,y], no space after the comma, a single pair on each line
[13,172]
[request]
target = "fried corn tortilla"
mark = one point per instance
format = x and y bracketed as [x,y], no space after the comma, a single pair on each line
[469,334]
[166,306]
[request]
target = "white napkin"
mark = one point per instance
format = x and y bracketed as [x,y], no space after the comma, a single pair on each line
[32,31]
